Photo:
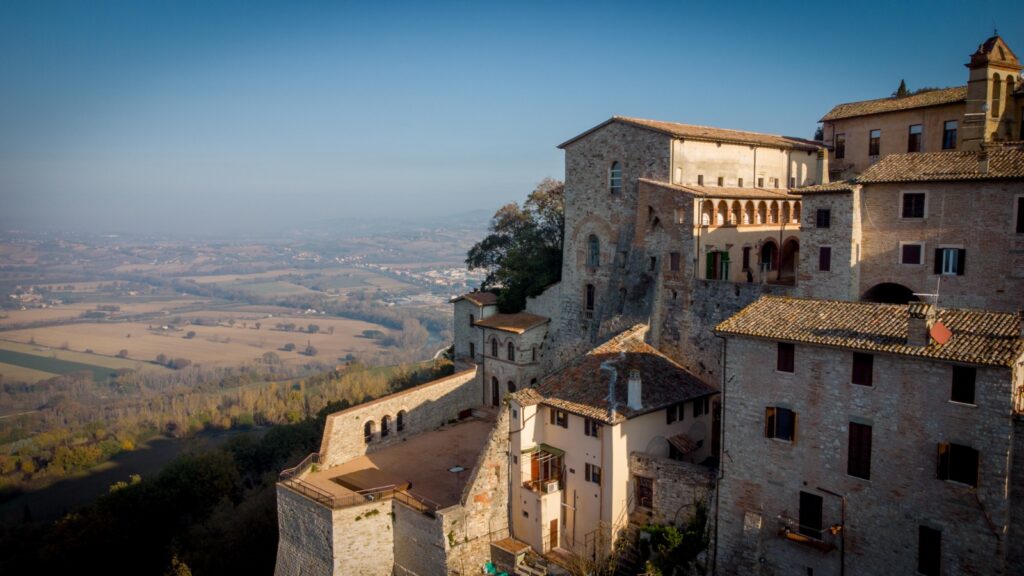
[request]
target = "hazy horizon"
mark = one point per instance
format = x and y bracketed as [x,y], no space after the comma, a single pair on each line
[226,118]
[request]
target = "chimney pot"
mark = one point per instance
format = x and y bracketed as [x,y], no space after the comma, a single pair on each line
[920,317]
[983,161]
[634,391]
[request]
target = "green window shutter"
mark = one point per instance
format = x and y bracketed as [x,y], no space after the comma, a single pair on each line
[961,261]
[710,262]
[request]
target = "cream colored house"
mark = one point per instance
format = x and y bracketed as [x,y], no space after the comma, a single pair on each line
[573,435]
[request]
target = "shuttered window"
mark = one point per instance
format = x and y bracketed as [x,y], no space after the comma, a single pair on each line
[958,463]
[785,359]
[950,261]
[929,551]
[825,259]
[863,368]
[780,423]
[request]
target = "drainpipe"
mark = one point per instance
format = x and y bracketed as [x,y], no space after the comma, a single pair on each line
[842,529]
[721,458]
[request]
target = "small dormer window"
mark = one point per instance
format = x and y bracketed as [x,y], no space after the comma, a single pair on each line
[615,178]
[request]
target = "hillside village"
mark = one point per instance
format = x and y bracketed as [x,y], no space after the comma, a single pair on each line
[813,350]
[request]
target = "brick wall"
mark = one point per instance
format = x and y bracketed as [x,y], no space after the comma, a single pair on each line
[909,410]
[426,407]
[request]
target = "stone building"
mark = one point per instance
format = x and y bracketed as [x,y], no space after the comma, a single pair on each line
[988,109]
[870,438]
[574,436]
[467,309]
[513,346]
[946,223]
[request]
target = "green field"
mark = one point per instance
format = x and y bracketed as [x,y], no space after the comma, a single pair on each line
[53,365]
[275,288]
[12,373]
[79,357]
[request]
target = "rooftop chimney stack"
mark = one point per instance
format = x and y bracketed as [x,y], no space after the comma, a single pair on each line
[634,391]
[983,160]
[921,316]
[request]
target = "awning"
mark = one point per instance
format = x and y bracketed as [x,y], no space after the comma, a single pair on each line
[545,448]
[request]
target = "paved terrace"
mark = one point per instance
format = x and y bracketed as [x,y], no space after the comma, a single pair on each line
[420,464]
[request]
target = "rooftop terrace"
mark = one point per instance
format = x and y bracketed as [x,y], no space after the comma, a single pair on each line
[428,471]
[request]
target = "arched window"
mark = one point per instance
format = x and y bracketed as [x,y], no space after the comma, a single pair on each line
[997,88]
[773,214]
[590,297]
[593,251]
[495,392]
[511,386]
[615,178]
[511,351]
[385,426]
[368,431]
[796,212]
[748,212]
[734,212]
[721,212]
[400,421]
[707,208]
[762,213]
[785,213]
[494,347]
[768,258]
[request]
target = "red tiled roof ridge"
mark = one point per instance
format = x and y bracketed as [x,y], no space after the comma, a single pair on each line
[937,97]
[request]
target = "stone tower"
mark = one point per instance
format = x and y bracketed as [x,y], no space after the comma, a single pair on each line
[991,110]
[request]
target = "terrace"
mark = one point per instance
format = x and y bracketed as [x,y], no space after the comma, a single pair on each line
[427,472]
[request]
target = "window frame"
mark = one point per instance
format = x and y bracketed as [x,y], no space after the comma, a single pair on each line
[823,218]
[919,141]
[511,348]
[593,251]
[949,134]
[932,564]
[839,145]
[592,427]
[920,246]
[771,424]
[950,261]
[863,371]
[559,418]
[615,177]
[903,205]
[814,531]
[592,473]
[874,142]
[644,491]
[950,455]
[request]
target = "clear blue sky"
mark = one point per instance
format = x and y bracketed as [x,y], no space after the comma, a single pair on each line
[250,116]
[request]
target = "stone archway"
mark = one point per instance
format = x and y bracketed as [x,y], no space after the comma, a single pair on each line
[789,260]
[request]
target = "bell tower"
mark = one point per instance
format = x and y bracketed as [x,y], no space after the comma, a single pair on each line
[991,111]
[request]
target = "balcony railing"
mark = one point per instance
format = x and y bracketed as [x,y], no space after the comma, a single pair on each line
[822,539]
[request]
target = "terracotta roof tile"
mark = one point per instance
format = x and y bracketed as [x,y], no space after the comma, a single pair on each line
[707,133]
[479,298]
[979,337]
[1003,163]
[841,186]
[581,387]
[722,191]
[893,104]
[517,323]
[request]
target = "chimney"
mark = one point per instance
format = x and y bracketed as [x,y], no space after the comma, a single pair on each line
[633,392]
[983,160]
[921,316]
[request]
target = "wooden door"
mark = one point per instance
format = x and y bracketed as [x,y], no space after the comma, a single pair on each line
[554,533]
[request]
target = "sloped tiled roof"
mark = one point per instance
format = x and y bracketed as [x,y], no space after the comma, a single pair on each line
[516,323]
[894,104]
[723,191]
[841,186]
[581,387]
[979,337]
[1003,163]
[706,133]
[479,298]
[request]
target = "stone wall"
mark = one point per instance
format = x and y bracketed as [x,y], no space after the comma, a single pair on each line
[420,543]
[1015,537]
[464,312]
[426,407]
[482,515]
[520,371]
[364,541]
[678,488]
[910,413]
[843,236]
[305,536]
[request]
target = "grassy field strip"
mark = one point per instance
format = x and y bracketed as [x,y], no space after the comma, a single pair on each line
[111,362]
[15,373]
[52,365]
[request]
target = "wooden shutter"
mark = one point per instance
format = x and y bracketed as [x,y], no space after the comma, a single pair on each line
[859,457]
[961,261]
[825,258]
[793,440]
[938,261]
[709,259]
[769,422]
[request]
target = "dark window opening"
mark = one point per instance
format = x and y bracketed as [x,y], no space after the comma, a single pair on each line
[863,368]
[368,432]
[810,515]
[592,473]
[590,298]
[673,259]
[721,181]
[785,358]
[824,258]
[840,144]
[472,350]
[511,352]
[700,179]
[593,251]
[963,384]
[592,427]
[858,462]
[471,320]
[559,417]
[385,426]
[760,182]
[746,258]
[958,463]
[400,421]
[615,178]
[653,264]
[494,347]
[929,551]
[910,254]
[950,261]
[949,135]
[511,386]
[913,205]
[1020,214]
[823,218]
